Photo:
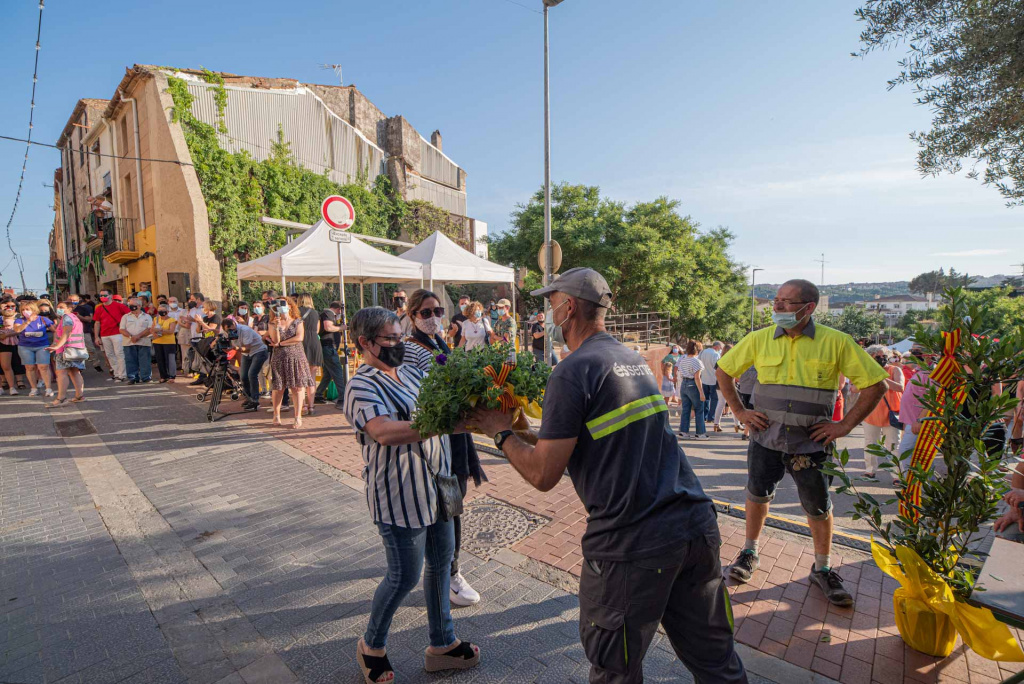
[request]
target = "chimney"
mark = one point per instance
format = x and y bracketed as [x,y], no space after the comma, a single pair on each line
[435,140]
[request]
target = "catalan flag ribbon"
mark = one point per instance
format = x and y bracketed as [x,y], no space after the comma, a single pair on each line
[499,377]
[932,433]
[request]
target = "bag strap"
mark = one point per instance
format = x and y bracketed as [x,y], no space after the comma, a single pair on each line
[886,400]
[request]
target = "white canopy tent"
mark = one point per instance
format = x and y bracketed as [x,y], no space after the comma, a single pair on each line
[312,257]
[442,259]
[445,261]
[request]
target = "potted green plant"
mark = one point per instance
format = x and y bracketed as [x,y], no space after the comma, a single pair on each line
[933,544]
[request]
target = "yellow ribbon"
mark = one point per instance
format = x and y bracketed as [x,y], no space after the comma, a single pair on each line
[929,617]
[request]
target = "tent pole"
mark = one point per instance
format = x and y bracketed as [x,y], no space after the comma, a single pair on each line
[284,287]
[344,330]
[362,301]
[513,313]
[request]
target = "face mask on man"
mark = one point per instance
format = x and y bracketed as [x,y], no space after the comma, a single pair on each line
[392,356]
[162,312]
[258,310]
[557,335]
[133,307]
[787,320]
[399,302]
[174,306]
[463,307]
[429,326]
[502,311]
[880,360]
[105,299]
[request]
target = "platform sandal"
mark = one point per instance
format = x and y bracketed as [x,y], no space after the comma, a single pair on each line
[462,657]
[374,667]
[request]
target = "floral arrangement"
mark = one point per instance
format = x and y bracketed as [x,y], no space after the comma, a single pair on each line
[494,377]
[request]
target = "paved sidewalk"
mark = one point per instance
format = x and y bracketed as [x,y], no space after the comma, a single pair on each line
[778,613]
[145,545]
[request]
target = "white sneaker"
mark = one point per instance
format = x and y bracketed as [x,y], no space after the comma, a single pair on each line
[461,593]
[13,392]
[50,393]
[684,435]
[703,438]
[34,392]
[40,384]
[1,391]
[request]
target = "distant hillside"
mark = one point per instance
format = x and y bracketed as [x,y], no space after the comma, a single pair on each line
[855,292]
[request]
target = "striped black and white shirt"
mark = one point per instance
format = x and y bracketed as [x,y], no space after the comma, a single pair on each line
[399,488]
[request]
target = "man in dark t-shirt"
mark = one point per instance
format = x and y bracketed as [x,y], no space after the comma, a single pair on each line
[455,329]
[537,337]
[651,547]
[332,323]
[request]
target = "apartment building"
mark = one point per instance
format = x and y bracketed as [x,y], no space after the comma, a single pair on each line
[147,217]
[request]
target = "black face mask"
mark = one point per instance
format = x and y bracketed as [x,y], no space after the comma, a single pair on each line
[881,361]
[392,356]
[133,307]
[399,302]
[162,312]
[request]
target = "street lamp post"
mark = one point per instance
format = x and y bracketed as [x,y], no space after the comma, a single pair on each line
[547,185]
[753,300]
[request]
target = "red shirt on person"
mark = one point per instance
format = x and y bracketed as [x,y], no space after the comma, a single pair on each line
[109,318]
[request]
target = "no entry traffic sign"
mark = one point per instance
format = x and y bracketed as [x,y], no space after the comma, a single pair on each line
[338,212]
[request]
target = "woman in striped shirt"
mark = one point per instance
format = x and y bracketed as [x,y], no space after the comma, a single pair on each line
[691,391]
[423,344]
[401,495]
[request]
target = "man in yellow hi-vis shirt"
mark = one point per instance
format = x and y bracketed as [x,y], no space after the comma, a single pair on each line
[791,430]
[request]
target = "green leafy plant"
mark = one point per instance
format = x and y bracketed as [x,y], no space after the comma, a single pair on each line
[958,503]
[457,383]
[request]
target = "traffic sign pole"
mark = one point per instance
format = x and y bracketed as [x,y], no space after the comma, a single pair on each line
[340,215]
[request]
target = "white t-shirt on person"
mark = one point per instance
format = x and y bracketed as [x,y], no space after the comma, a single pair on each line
[475,334]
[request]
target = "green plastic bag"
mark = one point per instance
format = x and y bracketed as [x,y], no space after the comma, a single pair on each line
[331,393]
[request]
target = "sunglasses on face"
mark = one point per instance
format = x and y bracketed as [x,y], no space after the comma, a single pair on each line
[430,313]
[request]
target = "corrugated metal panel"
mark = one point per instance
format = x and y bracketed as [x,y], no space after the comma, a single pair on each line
[320,141]
[452,201]
[436,166]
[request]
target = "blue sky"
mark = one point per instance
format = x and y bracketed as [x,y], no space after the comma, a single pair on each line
[753,115]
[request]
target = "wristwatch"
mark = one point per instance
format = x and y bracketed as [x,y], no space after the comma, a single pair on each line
[500,438]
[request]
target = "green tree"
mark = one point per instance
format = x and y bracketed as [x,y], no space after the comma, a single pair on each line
[1001,314]
[855,322]
[939,281]
[653,258]
[964,60]
[422,219]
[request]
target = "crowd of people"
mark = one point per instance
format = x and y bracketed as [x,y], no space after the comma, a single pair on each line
[651,545]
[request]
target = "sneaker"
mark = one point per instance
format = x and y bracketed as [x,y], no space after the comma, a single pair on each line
[461,593]
[13,392]
[250,408]
[196,383]
[744,566]
[702,437]
[133,381]
[340,406]
[684,435]
[40,385]
[831,584]
[1,391]
[33,392]
[50,393]
[319,400]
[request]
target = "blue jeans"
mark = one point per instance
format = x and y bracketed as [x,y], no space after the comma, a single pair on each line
[138,362]
[333,370]
[406,549]
[690,398]
[249,373]
[710,402]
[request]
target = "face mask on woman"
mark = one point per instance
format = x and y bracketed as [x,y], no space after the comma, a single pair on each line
[258,310]
[62,312]
[429,326]
[392,356]
[27,313]
[243,310]
[502,311]
[162,312]
[282,310]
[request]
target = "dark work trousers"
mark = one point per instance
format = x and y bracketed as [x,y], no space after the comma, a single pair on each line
[622,603]
[457,520]
[252,365]
[164,354]
[333,370]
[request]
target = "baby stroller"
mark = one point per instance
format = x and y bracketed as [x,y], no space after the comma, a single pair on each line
[211,357]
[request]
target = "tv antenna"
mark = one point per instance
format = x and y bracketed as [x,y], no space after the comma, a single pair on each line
[822,262]
[336,68]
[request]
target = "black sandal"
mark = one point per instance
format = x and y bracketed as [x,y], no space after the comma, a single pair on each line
[373,667]
[462,657]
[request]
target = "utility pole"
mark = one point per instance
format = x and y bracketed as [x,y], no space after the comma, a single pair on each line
[822,262]
[753,300]
[548,252]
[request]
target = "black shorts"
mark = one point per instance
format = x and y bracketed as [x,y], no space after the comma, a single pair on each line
[766,468]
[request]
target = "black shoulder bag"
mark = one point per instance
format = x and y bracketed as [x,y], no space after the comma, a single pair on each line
[894,418]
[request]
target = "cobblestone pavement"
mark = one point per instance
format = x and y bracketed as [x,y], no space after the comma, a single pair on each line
[141,544]
[778,613]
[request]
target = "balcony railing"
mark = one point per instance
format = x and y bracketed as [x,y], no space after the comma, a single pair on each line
[119,239]
[95,226]
[58,270]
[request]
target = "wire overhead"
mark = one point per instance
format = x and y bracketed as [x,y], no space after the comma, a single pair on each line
[96,154]
[28,146]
